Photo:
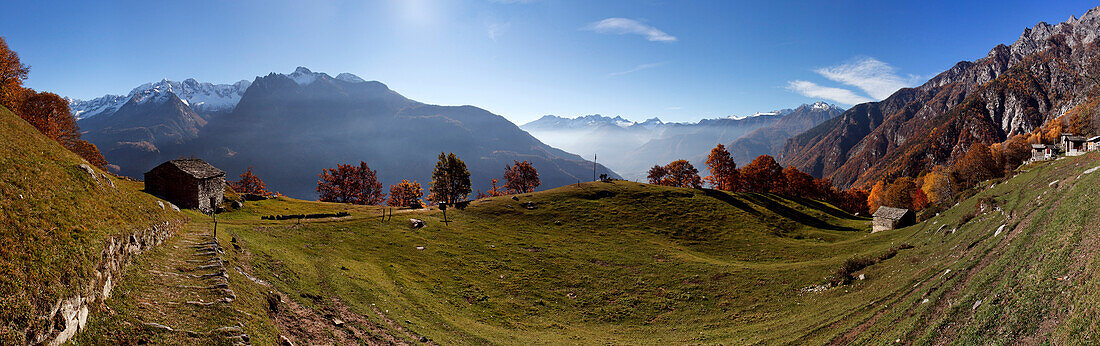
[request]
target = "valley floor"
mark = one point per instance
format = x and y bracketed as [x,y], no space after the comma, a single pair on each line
[627,263]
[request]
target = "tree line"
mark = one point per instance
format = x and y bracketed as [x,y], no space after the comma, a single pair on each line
[46,111]
[938,188]
[762,175]
[358,184]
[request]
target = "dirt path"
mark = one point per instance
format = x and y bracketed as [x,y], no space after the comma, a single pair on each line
[179,293]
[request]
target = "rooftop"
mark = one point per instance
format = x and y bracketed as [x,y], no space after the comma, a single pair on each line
[890,213]
[196,167]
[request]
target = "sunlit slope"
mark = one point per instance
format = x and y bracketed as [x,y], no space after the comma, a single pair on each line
[54,218]
[616,262]
[1016,262]
[629,263]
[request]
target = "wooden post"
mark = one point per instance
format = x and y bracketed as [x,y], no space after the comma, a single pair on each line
[593,167]
[214,215]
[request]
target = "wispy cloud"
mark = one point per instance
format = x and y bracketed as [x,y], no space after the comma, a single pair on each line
[839,95]
[674,108]
[636,69]
[874,77]
[624,26]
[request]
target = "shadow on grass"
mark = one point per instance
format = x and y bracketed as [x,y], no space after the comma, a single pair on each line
[729,199]
[826,208]
[775,205]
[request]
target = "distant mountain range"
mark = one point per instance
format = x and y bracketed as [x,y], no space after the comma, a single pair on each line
[631,148]
[1046,74]
[203,98]
[291,126]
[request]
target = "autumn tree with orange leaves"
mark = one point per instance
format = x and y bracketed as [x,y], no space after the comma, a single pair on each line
[350,184]
[521,177]
[406,195]
[763,174]
[657,175]
[723,170]
[877,196]
[802,184]
[12,74]
[249,183]
[494,190]
[46,111]
[682,174]
[978,164]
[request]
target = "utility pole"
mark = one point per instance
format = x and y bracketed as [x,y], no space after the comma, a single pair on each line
[593,167]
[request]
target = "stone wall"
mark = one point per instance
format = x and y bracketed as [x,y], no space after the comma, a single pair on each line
[69,315]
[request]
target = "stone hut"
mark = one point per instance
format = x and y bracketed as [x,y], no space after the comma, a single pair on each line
[888,218]
[1042,152]
[188,183]
[1072,145]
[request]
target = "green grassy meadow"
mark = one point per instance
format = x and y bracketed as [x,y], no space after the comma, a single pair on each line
[628,263]
[593,263]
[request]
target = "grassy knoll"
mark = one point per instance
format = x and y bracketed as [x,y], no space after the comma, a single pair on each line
[632,263]
[54,217]
[598,262]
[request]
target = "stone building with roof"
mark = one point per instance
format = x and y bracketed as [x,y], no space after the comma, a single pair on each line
[888,218]
[187,183]
[1042,152]
[1072,145]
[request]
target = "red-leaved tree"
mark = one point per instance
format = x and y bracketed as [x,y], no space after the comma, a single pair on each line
[521,177]
[250,184]
[763,174]
[723,170]
[657,175]
[406,195]
[350,184]
[682,174]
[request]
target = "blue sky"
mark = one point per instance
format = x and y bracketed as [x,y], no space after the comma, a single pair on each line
[679,61]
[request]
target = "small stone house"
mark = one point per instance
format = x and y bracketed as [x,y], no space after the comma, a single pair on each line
[187,183]
[1042,152]
[1072,145]
[888,218]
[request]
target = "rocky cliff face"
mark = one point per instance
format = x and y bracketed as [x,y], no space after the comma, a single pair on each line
[1014,89]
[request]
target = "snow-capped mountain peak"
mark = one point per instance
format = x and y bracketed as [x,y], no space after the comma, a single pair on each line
[350,78]
[822,106]
[106,104]
[303,76]
[202,97]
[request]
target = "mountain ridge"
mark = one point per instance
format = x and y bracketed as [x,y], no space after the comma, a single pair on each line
[322,121]
[1013,90]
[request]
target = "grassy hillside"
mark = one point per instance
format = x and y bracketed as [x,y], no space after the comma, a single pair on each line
[54,217]
[619,262]
[633,263]
[628,263]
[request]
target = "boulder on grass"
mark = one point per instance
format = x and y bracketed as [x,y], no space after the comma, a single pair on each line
[417,223]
